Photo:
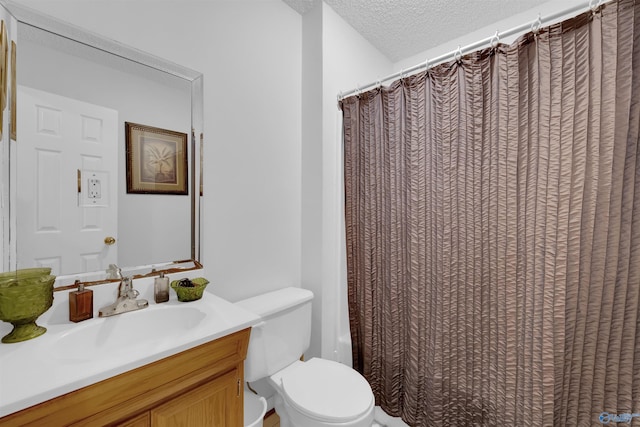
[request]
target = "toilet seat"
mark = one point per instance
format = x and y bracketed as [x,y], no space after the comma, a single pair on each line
[327,391]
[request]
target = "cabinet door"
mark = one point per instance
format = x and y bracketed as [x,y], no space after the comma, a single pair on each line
[142,420]
[217,403]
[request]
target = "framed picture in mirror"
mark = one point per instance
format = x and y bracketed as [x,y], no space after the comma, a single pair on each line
[156,160]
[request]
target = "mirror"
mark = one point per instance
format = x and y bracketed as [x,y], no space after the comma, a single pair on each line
[71,205]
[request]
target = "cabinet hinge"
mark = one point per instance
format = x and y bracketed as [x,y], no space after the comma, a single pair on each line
[238,389]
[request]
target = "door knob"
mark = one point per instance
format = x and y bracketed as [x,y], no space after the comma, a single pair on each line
[109,241]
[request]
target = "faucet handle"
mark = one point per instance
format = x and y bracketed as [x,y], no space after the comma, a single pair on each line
[114,272]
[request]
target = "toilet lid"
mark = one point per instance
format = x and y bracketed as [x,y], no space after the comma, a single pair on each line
[328,391]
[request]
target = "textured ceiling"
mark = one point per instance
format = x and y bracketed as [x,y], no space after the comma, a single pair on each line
[402,28]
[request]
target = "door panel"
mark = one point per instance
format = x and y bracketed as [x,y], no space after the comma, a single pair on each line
[67,172]
[214,404]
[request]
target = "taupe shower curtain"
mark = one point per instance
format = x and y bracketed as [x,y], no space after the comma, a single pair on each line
[493,231]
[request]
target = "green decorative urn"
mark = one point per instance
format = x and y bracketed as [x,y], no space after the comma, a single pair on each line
[24,295]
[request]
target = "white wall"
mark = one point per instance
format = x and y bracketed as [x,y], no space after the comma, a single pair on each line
[346,57]
[250,54]
[312,232]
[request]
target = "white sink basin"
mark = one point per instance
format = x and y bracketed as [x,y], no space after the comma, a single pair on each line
[147,328]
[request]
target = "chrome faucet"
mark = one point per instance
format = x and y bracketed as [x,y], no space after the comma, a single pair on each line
[127,300]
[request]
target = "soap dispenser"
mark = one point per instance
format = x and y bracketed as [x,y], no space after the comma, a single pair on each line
[161,289]
[80,304]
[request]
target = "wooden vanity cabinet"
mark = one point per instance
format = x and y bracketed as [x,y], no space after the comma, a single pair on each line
[211,404]
[202,386]
[142,420]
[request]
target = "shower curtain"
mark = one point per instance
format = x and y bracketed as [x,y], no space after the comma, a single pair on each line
[493,231]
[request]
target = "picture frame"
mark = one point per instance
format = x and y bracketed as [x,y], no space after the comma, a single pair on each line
[156,160]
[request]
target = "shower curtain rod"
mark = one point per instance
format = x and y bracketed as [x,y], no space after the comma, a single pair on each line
[534,26]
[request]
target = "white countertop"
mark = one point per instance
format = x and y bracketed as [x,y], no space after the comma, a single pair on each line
[40,369]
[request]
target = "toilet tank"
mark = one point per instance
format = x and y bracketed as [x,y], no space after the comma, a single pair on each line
[283,334]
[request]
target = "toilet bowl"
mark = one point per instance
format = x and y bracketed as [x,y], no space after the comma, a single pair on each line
[322,393]
[315,393]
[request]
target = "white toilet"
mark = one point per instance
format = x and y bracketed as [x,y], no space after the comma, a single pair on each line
[315,393]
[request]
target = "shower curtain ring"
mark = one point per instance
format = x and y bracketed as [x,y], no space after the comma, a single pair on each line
[536,25]
[426,64]
[593,5]
[495,40]
[458,55]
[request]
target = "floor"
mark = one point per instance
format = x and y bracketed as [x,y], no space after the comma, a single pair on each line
[271,420]
[382,420]
[385,420]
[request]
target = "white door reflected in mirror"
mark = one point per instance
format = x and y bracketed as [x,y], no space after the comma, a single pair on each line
[67,163]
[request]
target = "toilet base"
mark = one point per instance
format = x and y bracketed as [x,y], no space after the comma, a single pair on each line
[289,417]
